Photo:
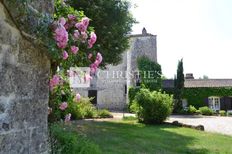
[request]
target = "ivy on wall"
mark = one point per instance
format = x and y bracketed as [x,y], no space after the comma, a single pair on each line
[197,96]
[132,92]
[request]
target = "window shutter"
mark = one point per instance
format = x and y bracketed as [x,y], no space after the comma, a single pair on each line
[206,101]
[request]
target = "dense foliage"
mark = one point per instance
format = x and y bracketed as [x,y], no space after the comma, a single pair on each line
[153,107]
[150,73]
[131,95]
[179,87]
[112,22]
[198,96]
[222,113]
[64,141]
[68,105]
[191,109]
[205,110]
[71,39]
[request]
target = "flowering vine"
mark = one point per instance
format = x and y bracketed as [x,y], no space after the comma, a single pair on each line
[73,40]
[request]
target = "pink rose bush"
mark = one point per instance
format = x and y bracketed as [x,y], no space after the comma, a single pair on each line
[65,55]
[70,33]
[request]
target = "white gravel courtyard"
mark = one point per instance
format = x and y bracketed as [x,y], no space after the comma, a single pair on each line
[222,125]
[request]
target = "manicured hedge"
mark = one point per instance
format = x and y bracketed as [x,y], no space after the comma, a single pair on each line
[197,96]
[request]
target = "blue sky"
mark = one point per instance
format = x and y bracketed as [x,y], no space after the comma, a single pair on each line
[199,31]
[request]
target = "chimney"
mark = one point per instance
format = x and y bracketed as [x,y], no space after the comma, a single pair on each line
[144,31]
[189,76]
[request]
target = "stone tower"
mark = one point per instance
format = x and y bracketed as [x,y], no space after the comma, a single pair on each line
[111,91]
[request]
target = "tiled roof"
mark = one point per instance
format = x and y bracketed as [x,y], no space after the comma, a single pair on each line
[193,83]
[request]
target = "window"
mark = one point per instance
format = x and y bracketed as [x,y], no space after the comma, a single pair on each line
[137,79]
[125,89]
[214,103]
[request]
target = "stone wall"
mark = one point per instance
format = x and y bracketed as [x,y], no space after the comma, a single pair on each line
[141,45]
[111,93]
[24,93]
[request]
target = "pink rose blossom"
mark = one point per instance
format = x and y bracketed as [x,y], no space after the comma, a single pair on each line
[90,56]
[67,117]
[67,26]
[63,106]
[78,97]
[93,37]
[93,68]
[95,65]
[84,35]
[92,40]
[85,21]
[87,77]
[76,34]
[61,37]
[99,57]
[62,21]
[90,45]
[71,17]
[74,49]
[80,26]
[54,82]
[65,55]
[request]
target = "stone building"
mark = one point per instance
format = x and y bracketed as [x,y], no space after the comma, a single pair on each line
[214,93]
[109,87]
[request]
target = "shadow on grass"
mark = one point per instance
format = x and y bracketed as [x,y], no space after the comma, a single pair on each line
[130,137]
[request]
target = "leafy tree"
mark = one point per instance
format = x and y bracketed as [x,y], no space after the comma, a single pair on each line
[112,22]
[179,86]
[150,73]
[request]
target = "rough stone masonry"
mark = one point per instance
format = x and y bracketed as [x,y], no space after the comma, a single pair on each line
[24,73]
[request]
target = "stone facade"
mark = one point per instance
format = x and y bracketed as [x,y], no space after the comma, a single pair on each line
[24,92]
[112,88]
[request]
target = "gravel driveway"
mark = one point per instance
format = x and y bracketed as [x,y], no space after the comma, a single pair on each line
[216,124]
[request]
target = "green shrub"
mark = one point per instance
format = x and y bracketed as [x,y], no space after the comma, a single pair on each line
[206,110]
[198,112]
[134,107]
[132,92]
[229,113]
[222,113]
[87,109]
[65,141]
[192,109]
[104,114]
[154,107]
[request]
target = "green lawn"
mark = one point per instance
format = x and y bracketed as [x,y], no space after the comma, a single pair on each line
[130,137]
